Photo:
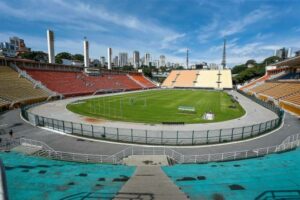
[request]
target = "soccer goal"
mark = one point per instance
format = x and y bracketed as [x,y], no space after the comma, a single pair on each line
[187,109]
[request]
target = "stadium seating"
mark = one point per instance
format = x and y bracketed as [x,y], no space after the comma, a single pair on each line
[291,75]
[14,89]
[285,93]
[30,177]
[186,78]
[277,174]
[113,81]
[143,81]
[77,83]
[67,83]
[199,79]
[255,82]
[281,90]
[3,103]
[295,99]
[263,87]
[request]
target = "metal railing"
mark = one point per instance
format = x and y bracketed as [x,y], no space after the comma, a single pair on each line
[289,143]
[26,141]
[135,150]
[48,152]
[117,158]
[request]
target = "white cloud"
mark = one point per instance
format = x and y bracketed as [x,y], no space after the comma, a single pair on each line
[208,31]
[171,40]
[237,26]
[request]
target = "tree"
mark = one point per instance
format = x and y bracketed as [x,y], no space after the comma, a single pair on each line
[35,55]
[147,72]
[249,73]
[238,68]
[62,55]
[179,68]
[78,57]
[271,60]
[128,68]
[251,61]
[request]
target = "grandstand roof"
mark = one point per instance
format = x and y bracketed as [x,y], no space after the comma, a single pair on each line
[291,62]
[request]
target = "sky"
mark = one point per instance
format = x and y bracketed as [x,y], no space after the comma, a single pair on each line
[253,28]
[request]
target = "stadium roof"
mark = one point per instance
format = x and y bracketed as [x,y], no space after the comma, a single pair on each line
[291,62]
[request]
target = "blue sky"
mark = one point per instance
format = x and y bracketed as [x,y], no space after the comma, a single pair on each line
[253,28]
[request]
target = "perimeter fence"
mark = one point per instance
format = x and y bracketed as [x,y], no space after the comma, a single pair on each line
[159,137]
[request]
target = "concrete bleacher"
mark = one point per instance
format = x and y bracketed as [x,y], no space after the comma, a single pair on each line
[4,103]
[291,103]
[142,80]
[263,87]
[244,179]
[284,93]
[170,79]
[255,82]
[281,90]
[63,82]
[211,79]
[295,99]
[185,78]
[15,89]
[71,83]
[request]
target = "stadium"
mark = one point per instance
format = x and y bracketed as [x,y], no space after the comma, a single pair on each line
[124,120]
[82,132]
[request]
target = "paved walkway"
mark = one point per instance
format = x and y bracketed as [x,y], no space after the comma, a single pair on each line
[255,114]
[12,120]
[150,182]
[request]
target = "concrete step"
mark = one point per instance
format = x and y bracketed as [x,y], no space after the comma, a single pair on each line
[150,182]
[144,160]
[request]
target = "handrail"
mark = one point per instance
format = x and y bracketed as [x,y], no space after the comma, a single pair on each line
[60,155]
[130,151]
[35,143]
[289,143]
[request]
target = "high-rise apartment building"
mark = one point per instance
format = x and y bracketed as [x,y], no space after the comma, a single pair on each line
[136,59]
[162,61]
[116,61]
[147,59]
[123,59]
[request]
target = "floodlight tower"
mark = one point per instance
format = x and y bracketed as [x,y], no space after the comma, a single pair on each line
[86,54]
[50,42]
[187,58]
[109,54]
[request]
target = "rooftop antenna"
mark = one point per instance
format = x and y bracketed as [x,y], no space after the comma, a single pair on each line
[224,55]
[223,65]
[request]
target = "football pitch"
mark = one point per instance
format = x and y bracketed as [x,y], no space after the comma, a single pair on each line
[158,106]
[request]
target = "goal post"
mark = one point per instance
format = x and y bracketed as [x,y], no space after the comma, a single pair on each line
[187,109]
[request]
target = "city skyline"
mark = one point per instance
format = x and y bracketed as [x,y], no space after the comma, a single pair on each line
[253,29]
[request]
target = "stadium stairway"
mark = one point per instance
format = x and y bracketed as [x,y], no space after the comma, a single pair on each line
[150,182]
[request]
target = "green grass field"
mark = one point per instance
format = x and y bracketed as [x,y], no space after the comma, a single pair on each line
[160,106]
